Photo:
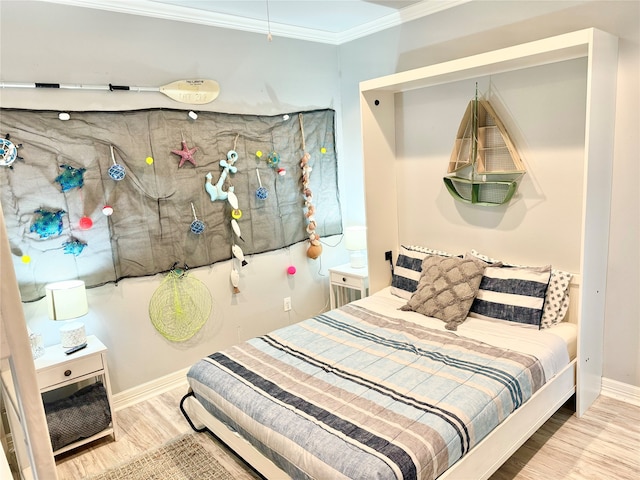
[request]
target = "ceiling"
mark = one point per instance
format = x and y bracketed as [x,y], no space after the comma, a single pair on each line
[324,21]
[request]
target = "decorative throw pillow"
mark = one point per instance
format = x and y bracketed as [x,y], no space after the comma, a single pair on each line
[447,288]
[556,301]
[514,294]
[408,267]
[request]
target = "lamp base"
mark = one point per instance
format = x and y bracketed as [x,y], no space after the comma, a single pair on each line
[72,335]
[37,345]
[358,259]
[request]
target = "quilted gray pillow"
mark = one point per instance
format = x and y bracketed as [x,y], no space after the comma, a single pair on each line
[447,288]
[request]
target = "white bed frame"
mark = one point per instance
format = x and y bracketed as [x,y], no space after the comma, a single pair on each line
[379,107]
[583,376]
[479,463]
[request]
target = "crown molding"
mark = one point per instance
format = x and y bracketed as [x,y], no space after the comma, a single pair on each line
[184,14]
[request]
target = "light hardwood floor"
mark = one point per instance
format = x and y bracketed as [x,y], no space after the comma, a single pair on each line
[602,445]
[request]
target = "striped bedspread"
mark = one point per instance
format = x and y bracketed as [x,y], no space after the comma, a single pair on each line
[355,394]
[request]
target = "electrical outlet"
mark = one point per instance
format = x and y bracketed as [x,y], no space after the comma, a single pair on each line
[387,256]
[287,304]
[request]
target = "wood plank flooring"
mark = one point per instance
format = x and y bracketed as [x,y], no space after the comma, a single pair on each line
[603,444]
[142,427]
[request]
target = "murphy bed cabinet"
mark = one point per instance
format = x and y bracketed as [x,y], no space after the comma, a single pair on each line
[378,99]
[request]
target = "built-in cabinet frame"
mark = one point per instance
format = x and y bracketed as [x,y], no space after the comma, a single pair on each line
[377,101]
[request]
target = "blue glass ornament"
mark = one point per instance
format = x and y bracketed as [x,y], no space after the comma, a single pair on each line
[197,227]
[261,192]
[117,172]
[273,159]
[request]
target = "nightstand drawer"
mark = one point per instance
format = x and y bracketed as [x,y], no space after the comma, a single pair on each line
[61,373]
[346,280]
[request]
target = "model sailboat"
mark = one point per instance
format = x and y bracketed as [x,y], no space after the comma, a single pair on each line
[485,167]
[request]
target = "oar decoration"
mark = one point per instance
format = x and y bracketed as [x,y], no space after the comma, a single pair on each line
[195,92]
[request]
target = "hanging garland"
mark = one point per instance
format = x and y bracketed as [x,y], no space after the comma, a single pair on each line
[315,247]
[237,255]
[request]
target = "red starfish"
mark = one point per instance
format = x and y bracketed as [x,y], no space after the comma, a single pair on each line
[186,153]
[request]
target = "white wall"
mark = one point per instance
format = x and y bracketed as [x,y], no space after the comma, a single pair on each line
[483,26]
[42,42]
[542,224]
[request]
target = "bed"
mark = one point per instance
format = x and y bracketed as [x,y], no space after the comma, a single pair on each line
[369,390]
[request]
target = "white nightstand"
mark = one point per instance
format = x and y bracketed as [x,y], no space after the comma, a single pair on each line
[55,370]
[347,284]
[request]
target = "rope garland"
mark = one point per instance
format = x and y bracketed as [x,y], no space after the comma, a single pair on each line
[315,247]
[237,255]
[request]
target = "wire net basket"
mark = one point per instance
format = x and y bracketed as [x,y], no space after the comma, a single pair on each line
[180,306]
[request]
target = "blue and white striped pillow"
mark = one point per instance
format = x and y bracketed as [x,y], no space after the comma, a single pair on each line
[408,268]
[556,301]
[514,294]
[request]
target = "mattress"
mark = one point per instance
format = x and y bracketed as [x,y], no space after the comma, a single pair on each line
[548,345]
[367,391]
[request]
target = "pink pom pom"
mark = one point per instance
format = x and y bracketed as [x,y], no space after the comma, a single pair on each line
[291,270]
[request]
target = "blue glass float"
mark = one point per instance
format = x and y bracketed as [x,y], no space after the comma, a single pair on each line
[197,227]
[273,159]
[117,172]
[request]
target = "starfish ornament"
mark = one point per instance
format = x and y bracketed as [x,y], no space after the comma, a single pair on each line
[186,154]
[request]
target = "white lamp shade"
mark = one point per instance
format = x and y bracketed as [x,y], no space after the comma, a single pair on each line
[66,300]
[355,238]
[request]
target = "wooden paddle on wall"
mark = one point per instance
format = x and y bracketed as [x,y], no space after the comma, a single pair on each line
[195,92]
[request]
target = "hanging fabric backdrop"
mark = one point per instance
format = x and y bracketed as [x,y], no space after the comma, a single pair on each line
[46,194]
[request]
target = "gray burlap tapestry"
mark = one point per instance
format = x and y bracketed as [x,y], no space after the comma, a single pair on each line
[156,202]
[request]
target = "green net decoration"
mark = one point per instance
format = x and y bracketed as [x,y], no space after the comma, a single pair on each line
[180,306]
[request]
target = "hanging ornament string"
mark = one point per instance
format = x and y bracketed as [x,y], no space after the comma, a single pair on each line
[116,171]
[269,36]
[197,226]
[237,255]
[232,158]
[315,248]
[261,192]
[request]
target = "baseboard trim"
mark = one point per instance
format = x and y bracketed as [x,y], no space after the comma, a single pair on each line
[150,389]
[620,391]
[610,388]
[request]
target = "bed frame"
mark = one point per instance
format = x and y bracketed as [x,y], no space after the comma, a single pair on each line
[480,462]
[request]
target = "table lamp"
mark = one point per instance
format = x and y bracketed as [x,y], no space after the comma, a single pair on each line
[355,240]
[65,301]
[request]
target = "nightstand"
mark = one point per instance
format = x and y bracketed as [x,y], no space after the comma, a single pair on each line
[347,284]
[60,376]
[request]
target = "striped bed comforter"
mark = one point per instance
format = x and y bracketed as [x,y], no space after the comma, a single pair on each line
[356,394]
